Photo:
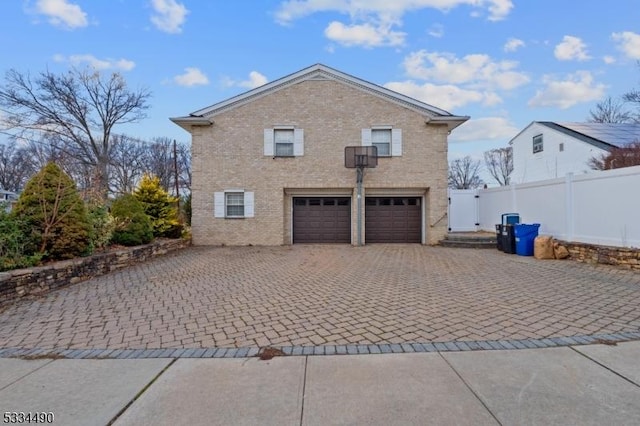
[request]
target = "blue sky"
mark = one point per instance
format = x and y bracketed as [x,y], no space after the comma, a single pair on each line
[503,62]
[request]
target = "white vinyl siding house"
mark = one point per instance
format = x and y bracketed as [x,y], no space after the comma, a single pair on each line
[547,150]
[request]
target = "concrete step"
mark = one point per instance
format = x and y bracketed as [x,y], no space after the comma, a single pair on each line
[469,244]
[470,240]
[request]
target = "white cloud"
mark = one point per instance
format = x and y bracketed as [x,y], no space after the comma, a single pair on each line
[62,13]
[608,59]
[575,88]
[513,44]
[476,69]
[486,128]
[436,30]
[366,35]
[446,97]
[191,77]
[255,80]
[169,15]
[291,10]
[98,64]
[499,9]
[571,48]
[629,43]
[374,22]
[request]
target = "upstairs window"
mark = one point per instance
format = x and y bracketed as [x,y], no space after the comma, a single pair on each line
[381,138]
[283,141]
[387,139]
[537,144]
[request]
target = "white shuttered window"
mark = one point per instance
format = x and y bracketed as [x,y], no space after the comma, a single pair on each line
[233,204]
[283,142]
[386,139]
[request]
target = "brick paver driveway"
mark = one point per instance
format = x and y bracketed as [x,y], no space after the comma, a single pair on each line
[327,295]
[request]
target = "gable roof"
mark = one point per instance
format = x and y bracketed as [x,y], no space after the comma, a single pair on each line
[4,194]
[204,116]
[601,135]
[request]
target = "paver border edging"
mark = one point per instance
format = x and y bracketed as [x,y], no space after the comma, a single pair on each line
[247,352]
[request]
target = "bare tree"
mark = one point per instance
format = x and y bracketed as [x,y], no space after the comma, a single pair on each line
[463,173]
[160,162]
[610,111]
[16,167]
[128,163]
[633,97]
[499,162]
[617,158]
[184,167]
[131,158]
[38,153]
[80,108]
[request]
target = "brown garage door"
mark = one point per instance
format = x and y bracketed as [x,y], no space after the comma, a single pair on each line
[321,220]
[393,220]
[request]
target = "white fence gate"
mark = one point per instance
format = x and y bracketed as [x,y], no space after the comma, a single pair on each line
[463,210]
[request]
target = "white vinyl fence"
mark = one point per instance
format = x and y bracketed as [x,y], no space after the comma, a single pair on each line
[602,207]
[463,210]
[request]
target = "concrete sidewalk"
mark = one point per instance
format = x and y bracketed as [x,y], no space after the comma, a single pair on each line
[594,384]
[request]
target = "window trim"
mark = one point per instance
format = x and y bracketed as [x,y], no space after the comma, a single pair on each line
[537,144]
[389,144]
[269,148]
[292,143]
[395,148]
[220,204]
[227,204]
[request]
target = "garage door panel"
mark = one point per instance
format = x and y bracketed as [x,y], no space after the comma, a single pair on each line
[321,220]
[393,220]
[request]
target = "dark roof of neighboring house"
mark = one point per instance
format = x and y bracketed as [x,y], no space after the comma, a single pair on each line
[204,116]
[4,194]
[602,135]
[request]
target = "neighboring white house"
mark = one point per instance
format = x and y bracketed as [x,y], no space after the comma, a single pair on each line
[547,150]
[7,199]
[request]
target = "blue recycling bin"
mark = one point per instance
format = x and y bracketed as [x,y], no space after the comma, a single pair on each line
[525,235]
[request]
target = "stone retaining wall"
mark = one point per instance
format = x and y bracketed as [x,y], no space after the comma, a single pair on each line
[589,253]
[39,280]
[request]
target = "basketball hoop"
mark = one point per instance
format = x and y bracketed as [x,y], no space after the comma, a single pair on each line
[360,158]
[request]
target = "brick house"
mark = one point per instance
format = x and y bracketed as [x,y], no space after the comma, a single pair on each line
[269,169]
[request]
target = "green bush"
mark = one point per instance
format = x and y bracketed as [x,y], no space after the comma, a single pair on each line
[55,217]
[13,243]
[132,225]
[102,226]
[159,206]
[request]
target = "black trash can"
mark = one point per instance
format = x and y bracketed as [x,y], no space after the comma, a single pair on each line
[499,245]
[508,239]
